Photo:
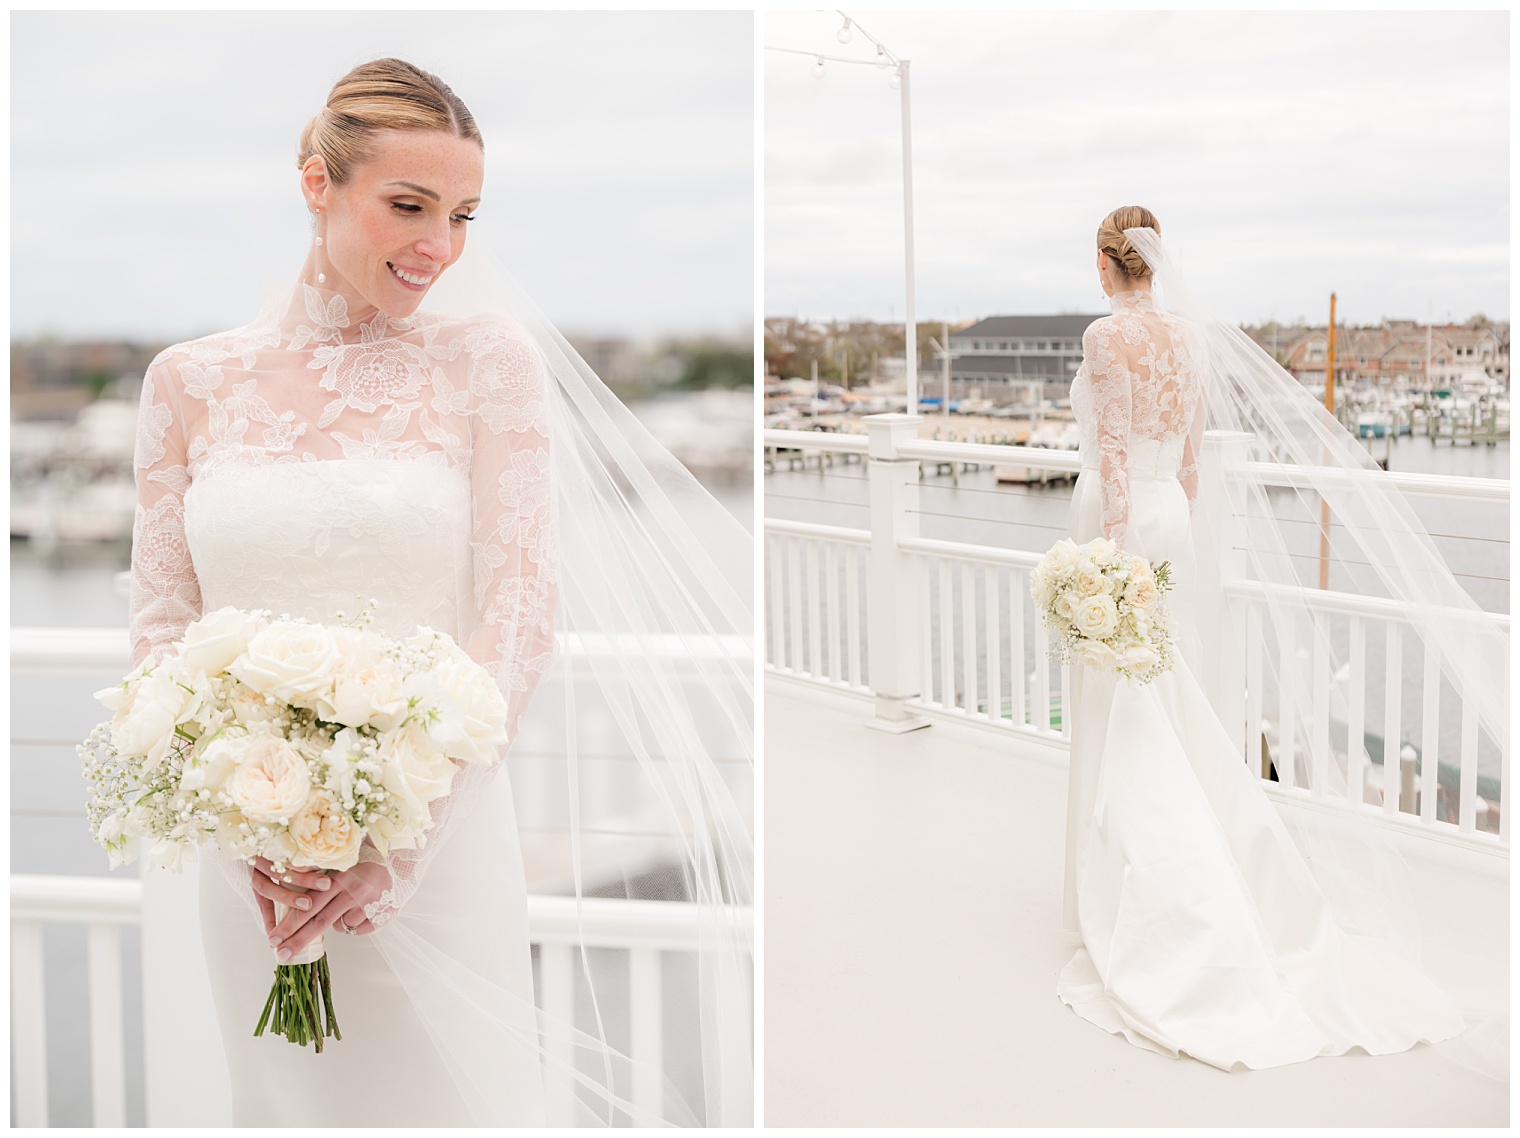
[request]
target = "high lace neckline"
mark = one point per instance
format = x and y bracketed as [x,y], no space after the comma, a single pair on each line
[1134,300]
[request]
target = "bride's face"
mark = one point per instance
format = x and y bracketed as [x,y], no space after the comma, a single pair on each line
[401,217]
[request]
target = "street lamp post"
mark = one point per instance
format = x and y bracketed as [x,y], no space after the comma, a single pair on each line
[898,80]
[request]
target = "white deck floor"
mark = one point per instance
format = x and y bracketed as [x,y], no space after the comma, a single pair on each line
[913,940]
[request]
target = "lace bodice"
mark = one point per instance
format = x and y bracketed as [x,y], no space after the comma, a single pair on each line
[1138,401]
[309,463]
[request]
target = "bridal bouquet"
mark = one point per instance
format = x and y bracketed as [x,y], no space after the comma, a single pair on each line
[1105,608]
[290,740]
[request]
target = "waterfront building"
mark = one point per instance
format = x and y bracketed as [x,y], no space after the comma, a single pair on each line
[1020,360]
[1393,353]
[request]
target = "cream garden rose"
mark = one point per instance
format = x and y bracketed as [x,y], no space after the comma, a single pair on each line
[1142,594]
[272,779]
[323,835]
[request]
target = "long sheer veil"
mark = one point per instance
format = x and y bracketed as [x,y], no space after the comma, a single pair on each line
[1287,493]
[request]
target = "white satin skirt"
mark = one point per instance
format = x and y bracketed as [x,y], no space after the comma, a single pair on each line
[399,1061]
[1203,930]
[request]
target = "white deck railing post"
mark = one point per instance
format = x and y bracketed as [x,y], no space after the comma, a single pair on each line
[1221,560]
[893,593]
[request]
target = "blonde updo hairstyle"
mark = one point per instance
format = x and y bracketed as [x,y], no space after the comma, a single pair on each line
[1111,239]
[386,94]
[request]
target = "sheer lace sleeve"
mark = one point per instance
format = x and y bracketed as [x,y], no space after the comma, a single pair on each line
[512,549]
[1192,443]
[1112,391]
[514,541]
[165,596]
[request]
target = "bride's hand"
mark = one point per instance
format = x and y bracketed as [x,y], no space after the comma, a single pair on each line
[349,890]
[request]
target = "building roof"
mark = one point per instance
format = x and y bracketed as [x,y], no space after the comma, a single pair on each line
[1065,324]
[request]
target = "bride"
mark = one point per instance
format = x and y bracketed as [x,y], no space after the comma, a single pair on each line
[469,473]
[1204,930]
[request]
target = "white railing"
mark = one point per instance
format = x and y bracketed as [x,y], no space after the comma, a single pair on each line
[947,624]
[644,929]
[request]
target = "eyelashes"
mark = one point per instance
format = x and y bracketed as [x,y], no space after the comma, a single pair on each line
[414,208]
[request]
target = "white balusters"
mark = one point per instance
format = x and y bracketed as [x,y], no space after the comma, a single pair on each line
[1287,726]
[1356,714]
[832,556]
[776,544]
[1467,808]
[994,639]
[946,637]
[108,1061]
[1393,698]
[1319,735]
[28,1025]
[1254,651]
[1017,681]
[556,979]
[1430,718]
[853,623]
[1041,677]
[647,1046]
[968,637]
[815,610]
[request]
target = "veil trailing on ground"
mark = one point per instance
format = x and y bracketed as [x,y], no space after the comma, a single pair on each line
[1291,505]
[631,766]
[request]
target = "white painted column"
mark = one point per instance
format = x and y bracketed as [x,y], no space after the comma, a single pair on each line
[894,592]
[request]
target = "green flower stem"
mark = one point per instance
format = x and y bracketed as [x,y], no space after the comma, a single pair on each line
[301,994]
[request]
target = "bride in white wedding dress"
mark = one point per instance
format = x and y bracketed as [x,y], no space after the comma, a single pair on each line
[346,448]
[1204,931]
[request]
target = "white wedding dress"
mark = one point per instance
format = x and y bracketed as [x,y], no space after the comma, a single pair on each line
[1203,930]
[307,465]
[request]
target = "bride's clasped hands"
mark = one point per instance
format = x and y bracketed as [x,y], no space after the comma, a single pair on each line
[315,901]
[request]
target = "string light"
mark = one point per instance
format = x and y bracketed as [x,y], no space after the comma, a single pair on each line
[844,35]
[818,68]
[881,57]
[895,82]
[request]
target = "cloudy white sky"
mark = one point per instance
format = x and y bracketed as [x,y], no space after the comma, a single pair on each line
[1286,154]
[154,183]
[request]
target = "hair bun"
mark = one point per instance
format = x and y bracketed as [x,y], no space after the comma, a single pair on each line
[1111,239]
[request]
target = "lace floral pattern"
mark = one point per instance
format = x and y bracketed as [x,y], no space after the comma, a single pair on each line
[1139,389]
[296,466]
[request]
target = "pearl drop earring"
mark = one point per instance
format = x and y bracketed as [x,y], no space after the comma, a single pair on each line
[321,277]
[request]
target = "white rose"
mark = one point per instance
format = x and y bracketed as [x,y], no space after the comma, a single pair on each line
[289,661]
[1061,559]
[1066,605]
[323,835]
[1090,579]
[215,764]
[1041,588]
[1139,657]
[367,685]
[474,725]
[1102,552]
[272,781]
[219,638]
[1096,616]
[146,726]
[416,772]
[1142,594]
[1140,569]
[1096,654]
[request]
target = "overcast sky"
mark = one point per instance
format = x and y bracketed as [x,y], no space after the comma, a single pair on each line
[153,160]
[1286,154]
